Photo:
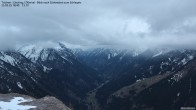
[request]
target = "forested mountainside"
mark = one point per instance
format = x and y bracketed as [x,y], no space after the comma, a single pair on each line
[102,79]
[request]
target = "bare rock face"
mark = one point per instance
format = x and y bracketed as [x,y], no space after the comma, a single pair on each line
[23,102]
[48,103]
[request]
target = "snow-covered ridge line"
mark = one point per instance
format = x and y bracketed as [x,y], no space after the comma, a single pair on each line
[34,51]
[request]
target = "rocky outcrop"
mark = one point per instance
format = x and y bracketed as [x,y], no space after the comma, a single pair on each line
[23,102]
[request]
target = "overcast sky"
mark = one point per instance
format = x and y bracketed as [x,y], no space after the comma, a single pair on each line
[94,23]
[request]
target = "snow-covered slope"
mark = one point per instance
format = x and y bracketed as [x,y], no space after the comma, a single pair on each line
[31,52]
[5,56]
[40,71]
[36,51]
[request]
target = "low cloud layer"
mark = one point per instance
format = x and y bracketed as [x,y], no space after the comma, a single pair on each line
[94,23]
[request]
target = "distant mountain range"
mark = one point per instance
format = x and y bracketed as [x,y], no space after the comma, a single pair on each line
[102,78]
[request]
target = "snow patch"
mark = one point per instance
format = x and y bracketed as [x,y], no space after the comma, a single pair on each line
[108,56]
[46,69]
[67,59]
[138,80]
[184,61]
[115,54]
[178,94]
[190,57]
[19,85]
[158,54]
[14,104]
[177,77]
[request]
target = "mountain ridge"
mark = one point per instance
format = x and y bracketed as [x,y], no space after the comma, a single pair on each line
[110,78]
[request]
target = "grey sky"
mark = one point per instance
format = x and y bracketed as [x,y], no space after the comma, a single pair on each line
[124,23]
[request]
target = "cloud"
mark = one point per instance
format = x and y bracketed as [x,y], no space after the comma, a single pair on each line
[120,23]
